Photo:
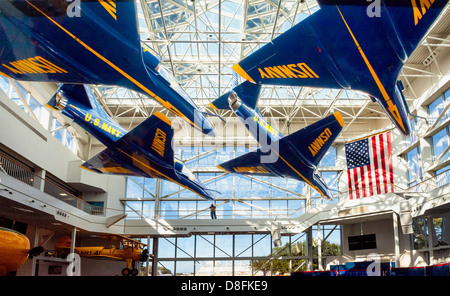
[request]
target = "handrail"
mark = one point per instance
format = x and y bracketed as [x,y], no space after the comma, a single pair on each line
[23,174]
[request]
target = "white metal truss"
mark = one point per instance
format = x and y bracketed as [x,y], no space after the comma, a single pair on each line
[201,40]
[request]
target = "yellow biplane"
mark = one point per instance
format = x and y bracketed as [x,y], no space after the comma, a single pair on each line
[117,247]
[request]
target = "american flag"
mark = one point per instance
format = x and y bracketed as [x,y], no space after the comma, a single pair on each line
[369,166]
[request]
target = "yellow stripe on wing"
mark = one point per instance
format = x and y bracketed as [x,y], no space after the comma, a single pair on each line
[303,177]
[126,75]
[392,108]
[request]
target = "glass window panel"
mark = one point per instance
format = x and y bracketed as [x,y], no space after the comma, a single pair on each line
[166,247]
[148,209]
[185,247]
[225,186]
[188,154]
[187,208]
[435,109]
[243,186]
[209,159]
[242,211]
[185,268]
[241,151]
[295,186]
[4,85]
[134,187]
[224,246]
[225,211]
[224,154]
[206,213]
[443,176]
[204,177]
[70,142]
[242,268]
[296,208]
[278,207]
[168,210]
[331,179]
[150,188]
[223,268]
[329,160]
[132,209]
[259,207]
[166,268]
[262,244]
[204,246]
[170,189]
[414,172]
[276,192]
[205,268]
[260,189]
[440,143]
[243,245]
[60,132]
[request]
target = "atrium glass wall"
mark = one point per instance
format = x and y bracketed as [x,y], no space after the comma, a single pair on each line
[424,176]
[35,110]
[237,197]
[242,254]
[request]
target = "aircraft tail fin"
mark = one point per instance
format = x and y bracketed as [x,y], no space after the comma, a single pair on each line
[247,91]
[314,140]
[154,135]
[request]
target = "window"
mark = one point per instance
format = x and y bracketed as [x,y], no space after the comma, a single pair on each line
[440,142]
[414,166]
[443,176]
[436,108]
[240,196]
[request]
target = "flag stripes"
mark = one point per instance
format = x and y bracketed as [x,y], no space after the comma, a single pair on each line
[369,166]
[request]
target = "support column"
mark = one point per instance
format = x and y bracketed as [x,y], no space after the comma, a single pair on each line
[309,249]
[147,263]
[430,240]
[35,244]
[155,257]
[319,246]
[74,237]
[157,199]
[39,181]
[396,240]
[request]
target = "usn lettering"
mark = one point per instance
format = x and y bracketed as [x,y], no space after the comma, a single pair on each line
[319,141]
[36,65]
[300,70]
[159,142]
[419,13]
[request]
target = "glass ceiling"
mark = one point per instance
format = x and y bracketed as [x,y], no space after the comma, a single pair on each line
[200,40]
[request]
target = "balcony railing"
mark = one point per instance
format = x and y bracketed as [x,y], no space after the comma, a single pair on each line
[23,174]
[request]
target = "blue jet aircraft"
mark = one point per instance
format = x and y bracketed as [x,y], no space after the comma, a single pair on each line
[95,42]
[294,156]
[349,44]
[145,151]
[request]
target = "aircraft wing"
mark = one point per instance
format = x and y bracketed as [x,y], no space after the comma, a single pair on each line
[322,50]
[294,156]
[56,43]
[343,45]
